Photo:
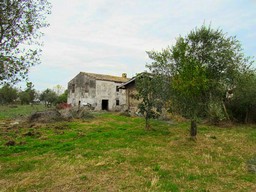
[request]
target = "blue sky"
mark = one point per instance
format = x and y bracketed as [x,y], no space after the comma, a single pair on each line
[112,36]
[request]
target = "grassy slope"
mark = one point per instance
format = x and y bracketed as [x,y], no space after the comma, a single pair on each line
[114,153]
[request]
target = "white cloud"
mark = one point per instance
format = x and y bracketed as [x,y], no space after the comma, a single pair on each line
[111,36]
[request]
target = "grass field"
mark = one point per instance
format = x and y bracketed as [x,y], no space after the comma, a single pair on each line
[14,111]
[113,153]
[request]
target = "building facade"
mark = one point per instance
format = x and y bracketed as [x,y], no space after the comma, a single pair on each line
[101,92]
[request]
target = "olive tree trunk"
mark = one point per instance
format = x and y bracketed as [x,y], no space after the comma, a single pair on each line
[147,124]
[193,129]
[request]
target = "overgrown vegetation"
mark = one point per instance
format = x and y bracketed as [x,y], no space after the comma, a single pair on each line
[206,71]
[50,97]
[114,153]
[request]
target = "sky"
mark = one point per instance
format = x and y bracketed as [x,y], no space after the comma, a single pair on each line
[112,36]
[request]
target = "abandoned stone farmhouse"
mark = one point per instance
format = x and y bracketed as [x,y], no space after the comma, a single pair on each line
[99,91]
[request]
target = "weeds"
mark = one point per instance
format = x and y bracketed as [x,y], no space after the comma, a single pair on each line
[113,153]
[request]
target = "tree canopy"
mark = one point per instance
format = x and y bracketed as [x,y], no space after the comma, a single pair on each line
[202,66]
[8,94]
[20,24]
[48,96]
[28,95]
[243,103]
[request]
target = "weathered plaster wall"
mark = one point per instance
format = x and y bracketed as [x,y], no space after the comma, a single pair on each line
[106,90]
[84,90]
[89,90]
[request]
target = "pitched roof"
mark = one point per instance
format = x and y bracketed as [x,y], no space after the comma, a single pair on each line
[106,77]
[123,85]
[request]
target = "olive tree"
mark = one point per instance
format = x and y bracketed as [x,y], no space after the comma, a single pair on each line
[202,66]
[152,93]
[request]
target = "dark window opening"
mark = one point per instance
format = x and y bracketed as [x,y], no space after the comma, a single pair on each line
[86,87]
[117,102]
[73,88]
[117,89]
[104,105]
[92,83]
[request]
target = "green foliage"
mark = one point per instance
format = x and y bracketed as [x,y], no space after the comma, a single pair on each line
[189,87]
[28,95]
[147,87]
[243,103]
[21,21]
[62,98]
[48,96]
[8,94]
[24,97]
[215,112]
[202,66]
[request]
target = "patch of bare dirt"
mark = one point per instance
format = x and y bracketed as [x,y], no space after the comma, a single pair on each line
[10,143]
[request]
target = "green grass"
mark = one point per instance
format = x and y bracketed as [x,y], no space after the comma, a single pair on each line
[8,112]
[115,153]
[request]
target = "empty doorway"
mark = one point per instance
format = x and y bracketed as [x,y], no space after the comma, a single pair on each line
[104,105]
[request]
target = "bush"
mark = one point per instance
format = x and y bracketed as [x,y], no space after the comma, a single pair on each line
[215,112]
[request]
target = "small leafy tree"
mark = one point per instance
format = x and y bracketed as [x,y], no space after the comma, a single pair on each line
[48,96]
[20,24]
[28,95]
[148,94]
[8,94]
[24,97]
[62,98]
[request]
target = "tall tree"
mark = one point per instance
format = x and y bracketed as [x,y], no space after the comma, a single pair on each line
[20,24]
[202,66]
[28,95]
[8,94]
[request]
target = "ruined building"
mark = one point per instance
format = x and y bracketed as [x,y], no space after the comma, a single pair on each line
[130,91]
[99,91]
